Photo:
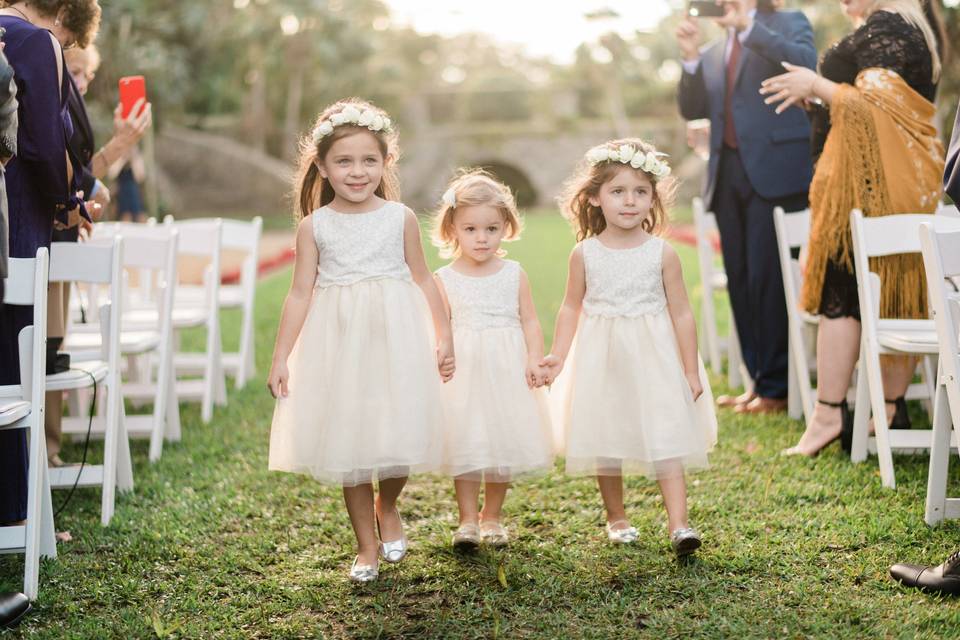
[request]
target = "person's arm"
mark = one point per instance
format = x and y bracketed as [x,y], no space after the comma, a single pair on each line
[42,145]
[684,324]
[569,315]
[126,133]
[532,334]
[794,45]
[413,254]
[295,307]
[692,93]
[951,173]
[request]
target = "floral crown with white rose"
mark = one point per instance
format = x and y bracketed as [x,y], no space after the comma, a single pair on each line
[350,114]
[647,161]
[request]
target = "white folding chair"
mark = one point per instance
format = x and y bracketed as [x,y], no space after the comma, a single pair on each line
[21,407]
[198,239]
[714,280]
[941,260]
[875,237]
[99,265]
[242,237]
[151,252]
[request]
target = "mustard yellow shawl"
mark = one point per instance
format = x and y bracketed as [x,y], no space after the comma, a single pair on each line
[882,156]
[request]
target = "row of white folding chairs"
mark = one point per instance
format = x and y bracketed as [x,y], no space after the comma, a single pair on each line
[713,280]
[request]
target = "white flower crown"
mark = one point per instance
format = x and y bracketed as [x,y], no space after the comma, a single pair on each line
[351,115]
[449,197]
[628,154]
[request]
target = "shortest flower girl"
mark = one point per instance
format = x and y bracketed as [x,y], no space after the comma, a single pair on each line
[496,416]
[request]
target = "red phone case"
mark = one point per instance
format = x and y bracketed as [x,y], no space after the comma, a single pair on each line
[132,88]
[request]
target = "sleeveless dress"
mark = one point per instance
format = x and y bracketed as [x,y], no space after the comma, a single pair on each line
[622,402]
[495,426]
[364,391]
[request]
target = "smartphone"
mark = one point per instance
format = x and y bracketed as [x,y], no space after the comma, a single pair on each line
[132,88]
[705,9]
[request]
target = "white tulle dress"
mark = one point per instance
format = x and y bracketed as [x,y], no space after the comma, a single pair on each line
[622,404]
[364,391]
[495,427]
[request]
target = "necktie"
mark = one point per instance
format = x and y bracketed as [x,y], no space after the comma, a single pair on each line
[729,130]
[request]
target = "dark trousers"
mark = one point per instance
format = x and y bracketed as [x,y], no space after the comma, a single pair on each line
[13,444]
[749,243]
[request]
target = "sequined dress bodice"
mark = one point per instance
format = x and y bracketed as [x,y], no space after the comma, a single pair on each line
[623,282]
[486,302]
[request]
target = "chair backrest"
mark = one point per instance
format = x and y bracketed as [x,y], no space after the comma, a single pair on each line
[26,285]
[203,238]
[948,210]
[793,232]
[705,228]
[100,264]
[883,236]
[941,260]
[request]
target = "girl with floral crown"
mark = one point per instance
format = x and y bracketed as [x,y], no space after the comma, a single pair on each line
[496,418]
[633,397]
[355,367]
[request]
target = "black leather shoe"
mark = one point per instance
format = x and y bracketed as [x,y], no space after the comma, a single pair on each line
[944,578]
[13,606]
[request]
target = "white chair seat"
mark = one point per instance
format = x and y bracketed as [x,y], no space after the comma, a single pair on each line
[86,346]
[79,376]
[13,411]
[909,341]
[183,318]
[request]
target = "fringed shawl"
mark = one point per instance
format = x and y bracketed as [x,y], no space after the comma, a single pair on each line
[882,156]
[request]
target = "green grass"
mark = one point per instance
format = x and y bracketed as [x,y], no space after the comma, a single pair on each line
[212,545]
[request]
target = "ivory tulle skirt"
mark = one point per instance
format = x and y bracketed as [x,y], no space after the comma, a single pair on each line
[495,427]
[364,391]
[622,404]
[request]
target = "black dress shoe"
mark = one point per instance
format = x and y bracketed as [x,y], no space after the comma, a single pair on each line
[944,578]
[13,606]
[901,417]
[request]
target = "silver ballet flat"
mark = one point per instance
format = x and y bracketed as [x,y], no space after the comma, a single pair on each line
[395,550]
[685,541]
[363,572]
[494,534]
[626,535]
[466,538]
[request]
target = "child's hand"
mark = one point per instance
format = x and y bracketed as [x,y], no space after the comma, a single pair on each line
[536,375]
[278,380]
[696,388]
[552,366]
[446,363]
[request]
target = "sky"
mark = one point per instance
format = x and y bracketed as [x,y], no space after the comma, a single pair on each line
[548,28]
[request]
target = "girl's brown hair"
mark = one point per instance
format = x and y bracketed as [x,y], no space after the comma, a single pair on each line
[471,188]
[79,17]
[310,190]
[587,220]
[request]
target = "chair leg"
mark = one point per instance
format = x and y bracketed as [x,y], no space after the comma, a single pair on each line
[939,459]
[861,418]
[794,401]
[871,364]
[735,376]
[110,454]
[928,365]
[172,426]
[709,324]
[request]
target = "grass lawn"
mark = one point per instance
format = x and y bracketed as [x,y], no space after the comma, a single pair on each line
[212,545]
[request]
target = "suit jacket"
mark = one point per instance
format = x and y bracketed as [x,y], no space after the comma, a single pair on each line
[8,149]
[951,174]
[80,146]
[775,149]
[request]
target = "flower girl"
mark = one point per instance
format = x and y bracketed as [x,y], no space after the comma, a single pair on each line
[355,369]
[496,423]
[633,397]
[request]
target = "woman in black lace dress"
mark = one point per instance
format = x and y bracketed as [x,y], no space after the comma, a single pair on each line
[903,37]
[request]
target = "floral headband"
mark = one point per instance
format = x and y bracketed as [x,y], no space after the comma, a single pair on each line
[352,115]
[628,154]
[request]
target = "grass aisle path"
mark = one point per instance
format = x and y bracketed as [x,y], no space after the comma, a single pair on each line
[213,545]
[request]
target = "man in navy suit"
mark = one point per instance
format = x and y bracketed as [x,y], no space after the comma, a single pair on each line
[758,161]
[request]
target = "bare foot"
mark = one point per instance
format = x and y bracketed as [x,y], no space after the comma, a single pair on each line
[824,428]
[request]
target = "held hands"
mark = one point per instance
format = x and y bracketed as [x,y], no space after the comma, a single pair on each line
[553,365]
[790,88]
[696,387]
[278,380]
[536,375]
[94,208]
[446,362]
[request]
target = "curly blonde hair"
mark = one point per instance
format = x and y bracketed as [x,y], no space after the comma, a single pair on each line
[312,191]
[471,188]
[587,220]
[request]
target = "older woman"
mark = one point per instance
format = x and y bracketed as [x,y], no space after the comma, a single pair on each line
[877,150]
[38,178]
